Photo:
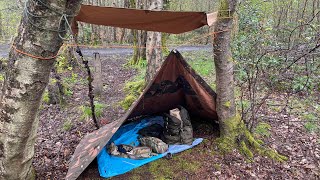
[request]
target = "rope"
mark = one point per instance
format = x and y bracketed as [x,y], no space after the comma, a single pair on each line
[112,46]
[34,56]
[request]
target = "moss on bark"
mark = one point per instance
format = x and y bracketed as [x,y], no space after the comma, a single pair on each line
[237,136]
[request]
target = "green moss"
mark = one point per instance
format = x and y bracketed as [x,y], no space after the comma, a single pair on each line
[1,78]
[227,104]
[245,150]
[161,169]
[127,102]
[134,87]
[45,97]
[223,8]
[236,135]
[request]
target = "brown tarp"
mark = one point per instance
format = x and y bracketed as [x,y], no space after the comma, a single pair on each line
[175,83]
[161,21]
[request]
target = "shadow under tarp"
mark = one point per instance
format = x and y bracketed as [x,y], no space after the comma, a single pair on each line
[110,166]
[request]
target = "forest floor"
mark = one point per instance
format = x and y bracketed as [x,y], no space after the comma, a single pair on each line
[61,127]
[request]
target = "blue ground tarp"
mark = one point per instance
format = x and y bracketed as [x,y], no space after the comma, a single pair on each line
[112,166]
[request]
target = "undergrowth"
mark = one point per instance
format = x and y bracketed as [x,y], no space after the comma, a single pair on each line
[86,110]
[134,87]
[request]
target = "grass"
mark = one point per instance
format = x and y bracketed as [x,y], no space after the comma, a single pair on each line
[86,110]
[67,125]
[202,63]
[134,87]
[168,169]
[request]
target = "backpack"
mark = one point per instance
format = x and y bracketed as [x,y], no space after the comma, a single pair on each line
[177,127]
[157,145]
[154,130]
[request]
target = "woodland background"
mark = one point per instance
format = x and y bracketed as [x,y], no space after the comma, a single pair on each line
[276,49]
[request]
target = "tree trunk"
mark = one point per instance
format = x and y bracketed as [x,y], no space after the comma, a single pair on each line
[154,50]
[25,81]
[224,65]
[1,25]
[97,76]
[139,36]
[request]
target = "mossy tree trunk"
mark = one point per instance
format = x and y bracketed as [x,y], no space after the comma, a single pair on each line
[234,133]
[25,82]
[226,108]
[154,45]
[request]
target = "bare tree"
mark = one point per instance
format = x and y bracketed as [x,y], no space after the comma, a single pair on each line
[25,81]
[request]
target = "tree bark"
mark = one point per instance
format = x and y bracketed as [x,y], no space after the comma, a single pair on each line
[0,25]
[25,82]
[224,65]
[139,36]
[154,49]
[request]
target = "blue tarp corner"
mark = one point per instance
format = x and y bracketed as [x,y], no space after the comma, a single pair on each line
[110,166]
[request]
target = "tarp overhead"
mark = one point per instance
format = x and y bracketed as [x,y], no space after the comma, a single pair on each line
[175,83]
[160,21]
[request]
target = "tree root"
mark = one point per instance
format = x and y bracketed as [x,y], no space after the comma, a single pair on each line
[237,136]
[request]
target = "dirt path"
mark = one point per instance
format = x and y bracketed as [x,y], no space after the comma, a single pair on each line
[4,50]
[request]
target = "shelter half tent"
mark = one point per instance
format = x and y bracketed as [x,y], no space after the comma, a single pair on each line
[175,83]
[161,21]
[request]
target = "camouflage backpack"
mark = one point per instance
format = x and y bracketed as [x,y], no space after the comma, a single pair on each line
[157,145]
[178,128]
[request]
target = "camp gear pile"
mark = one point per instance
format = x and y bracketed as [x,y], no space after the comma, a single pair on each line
[110,165]
[177,130]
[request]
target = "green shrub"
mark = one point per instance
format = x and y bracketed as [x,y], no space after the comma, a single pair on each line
[45,97]
[87,113]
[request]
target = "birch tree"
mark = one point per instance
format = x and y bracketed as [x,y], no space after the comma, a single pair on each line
[25,81]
